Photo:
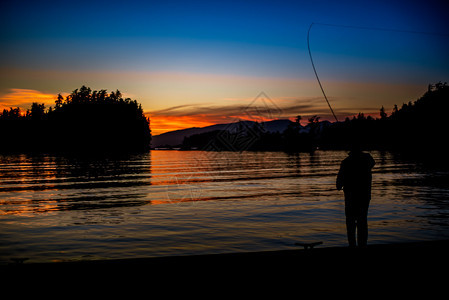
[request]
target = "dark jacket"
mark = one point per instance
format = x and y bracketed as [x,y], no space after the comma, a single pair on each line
[355,176]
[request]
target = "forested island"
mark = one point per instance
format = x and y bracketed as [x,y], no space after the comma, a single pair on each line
[419,126]
[85,121]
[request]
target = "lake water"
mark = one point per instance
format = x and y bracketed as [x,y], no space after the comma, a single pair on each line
[55,208]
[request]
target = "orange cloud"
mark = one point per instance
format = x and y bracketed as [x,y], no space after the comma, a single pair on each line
[23,98]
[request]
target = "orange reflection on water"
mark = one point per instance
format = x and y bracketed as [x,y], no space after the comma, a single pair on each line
[27,208]
[28,185]
[45,183]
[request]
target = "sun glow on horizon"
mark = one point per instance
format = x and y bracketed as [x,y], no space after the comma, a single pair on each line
[162,124]
[23,98]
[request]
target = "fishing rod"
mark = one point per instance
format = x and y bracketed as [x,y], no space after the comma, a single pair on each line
[316,74]
[362,28]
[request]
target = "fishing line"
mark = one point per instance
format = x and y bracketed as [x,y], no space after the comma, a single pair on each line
[316,74]
[384,29]
[362,28]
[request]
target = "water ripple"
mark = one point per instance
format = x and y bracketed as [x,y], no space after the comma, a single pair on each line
[182,202]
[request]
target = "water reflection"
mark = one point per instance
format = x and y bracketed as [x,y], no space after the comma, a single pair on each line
[184,202]
[42,183]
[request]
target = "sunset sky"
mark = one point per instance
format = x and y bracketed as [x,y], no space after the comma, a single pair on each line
[197,63]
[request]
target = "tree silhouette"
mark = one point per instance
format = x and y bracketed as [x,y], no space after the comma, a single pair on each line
[37,111]
[11,114]
[85,121]
[58,102]
[383,114]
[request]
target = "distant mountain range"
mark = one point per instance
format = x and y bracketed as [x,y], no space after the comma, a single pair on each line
[175,138]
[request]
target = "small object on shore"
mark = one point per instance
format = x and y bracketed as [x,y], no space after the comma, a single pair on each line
[19,260]
[308,246]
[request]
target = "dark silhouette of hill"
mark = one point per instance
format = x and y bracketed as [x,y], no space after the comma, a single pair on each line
[277,135]
[175,138]
[86,121]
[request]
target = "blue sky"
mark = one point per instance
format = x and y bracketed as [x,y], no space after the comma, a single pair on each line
[213,54]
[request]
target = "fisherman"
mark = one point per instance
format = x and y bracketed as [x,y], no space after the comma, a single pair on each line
[355,179]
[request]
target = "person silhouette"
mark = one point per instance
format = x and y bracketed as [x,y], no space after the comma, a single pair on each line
[355,177]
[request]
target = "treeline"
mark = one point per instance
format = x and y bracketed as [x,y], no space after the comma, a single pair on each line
[414,127]
[84,121]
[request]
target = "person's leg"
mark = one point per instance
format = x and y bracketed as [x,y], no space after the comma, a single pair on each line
[350,220]
[350,230]
[362,231]
[362,225]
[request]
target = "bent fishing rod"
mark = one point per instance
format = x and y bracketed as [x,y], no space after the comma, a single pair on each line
[362,28]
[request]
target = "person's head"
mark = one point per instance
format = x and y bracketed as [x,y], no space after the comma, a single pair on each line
[355,148]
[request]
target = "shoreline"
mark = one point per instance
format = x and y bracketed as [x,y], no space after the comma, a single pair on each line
[401,269]
[423,254]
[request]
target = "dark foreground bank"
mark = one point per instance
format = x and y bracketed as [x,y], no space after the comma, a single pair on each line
[384,271]
[406,259]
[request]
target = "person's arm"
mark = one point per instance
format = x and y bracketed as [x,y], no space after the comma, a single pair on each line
[340,177]
[371,162]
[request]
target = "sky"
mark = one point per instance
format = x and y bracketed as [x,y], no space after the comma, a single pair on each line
[197,63]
